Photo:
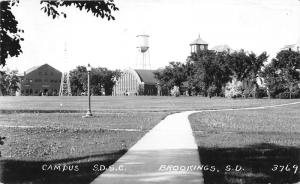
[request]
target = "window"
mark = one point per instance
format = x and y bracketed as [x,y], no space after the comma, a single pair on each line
[46,73]
[51,73]
[40,73]
[36,91]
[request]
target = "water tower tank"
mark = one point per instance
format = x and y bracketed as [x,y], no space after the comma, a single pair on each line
[143,44]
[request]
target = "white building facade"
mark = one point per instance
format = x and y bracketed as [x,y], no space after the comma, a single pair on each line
[136,82]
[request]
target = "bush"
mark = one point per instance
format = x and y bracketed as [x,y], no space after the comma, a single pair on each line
[233,89]
[175,91]
[296,92]
[212,90]
[248,92]
[284,95]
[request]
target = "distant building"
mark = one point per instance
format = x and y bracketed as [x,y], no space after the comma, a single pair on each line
[198,45]
[40,80]
[136,82]
[292,47]
[222,48]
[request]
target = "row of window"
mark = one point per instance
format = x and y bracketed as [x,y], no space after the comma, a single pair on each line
[39,92]
[46,80]
[40,80]
[45,73]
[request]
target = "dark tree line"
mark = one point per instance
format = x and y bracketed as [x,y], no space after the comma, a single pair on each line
[102,80]
[282,75]
[209,73]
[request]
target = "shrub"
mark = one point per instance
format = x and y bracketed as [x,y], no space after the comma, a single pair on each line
[175,91]
[248,92]
[284,95]
[233,89]
[297,93]
[212,90]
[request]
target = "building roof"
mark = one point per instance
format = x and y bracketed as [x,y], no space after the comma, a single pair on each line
[36,67]
[147,76]
[199,41]
[222,48]
[32,69]
[293,47]
[20,74]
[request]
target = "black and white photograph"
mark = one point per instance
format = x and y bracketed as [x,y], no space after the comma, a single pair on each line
[150,91]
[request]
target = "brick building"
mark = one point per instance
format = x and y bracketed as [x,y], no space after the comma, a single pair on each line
[41,80]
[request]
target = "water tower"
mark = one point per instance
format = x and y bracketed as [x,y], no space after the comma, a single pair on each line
[143,61]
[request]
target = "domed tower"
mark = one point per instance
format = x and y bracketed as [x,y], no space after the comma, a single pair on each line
[198,45]
[143,61]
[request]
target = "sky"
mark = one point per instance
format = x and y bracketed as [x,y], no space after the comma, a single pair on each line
[254,25]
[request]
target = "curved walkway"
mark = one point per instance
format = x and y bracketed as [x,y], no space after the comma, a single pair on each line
[166,154]
[158,156]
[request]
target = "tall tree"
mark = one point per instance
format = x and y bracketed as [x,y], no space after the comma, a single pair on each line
[101,78]
[239,64]
[78,80]
[13,82]
[3,83]
[9,82]
[10,33]
[172,75]
[283,73]
[208,72]
[254,68]
[246,67]
[109,80]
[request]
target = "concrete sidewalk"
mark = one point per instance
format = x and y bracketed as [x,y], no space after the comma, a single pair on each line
[166,154]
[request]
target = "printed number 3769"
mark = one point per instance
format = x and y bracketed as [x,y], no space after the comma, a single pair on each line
[285,168]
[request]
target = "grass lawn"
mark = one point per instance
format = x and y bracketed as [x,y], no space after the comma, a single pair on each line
[49,104]
[34,139]
[51,130]
[254,139]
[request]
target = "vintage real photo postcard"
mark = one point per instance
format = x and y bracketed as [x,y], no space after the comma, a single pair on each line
[150,91]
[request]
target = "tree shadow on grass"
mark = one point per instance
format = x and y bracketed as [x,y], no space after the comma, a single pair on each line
[81,170]
[252,164]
